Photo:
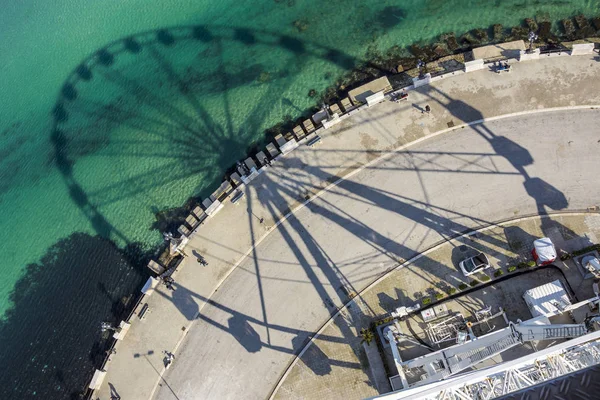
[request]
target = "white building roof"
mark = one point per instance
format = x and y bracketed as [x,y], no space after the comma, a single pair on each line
[543,300]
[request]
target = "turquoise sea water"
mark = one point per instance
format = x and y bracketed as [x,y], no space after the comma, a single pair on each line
[112,111]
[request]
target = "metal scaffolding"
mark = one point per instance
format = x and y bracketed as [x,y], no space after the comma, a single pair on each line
[511,376]
[534,372]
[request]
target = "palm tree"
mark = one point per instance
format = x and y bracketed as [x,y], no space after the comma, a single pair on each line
[367,336]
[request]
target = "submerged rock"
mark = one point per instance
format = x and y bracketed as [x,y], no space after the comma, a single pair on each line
[468,40]
[519,32]
[498,32]
[440,50]
[424,53]
[545,32]
[596,23]
[569,28]
[585,30]
[531,24]
[450,41]
[300,24]
[481,35]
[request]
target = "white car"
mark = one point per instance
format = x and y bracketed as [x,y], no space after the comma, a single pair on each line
[474,264]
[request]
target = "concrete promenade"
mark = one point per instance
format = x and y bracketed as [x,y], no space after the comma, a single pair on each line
[239,342]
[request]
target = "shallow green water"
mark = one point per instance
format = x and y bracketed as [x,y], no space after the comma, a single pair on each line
[158,118]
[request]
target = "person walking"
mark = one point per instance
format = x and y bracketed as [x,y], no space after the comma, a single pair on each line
[427,109]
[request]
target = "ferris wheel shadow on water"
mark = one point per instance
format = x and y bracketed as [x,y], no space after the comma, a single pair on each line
[156,113]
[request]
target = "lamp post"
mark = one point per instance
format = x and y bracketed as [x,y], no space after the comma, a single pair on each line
[532,38]
[420,65]
[106,326]
[326,109]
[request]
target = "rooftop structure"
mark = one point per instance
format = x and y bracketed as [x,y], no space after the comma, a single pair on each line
[459,371]
[547,299]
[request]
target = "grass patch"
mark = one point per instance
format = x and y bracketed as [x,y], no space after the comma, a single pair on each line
[531,264]
[565,256]
[384,321]
[439,296]
[426,301]
[452,290]
[474,282]
[485,278]
[498,273]
[462,286]
[586,250]
[512,268]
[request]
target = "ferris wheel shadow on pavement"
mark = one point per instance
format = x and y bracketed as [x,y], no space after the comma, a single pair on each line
[323,272]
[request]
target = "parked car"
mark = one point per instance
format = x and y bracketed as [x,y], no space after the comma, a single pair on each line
[474,264]
[543,251]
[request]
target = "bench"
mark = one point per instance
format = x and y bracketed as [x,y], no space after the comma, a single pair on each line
[316,139]
[502,68]
[237,197]
[144,311]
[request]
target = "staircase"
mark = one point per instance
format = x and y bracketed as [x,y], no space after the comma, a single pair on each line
[565,332]
[549,332]
[465,360]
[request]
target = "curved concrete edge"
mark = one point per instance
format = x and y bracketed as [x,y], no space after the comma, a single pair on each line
[384,158]
[321,192]
[471,232]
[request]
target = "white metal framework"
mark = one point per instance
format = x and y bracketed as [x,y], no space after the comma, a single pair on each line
[539,367]
[531,373]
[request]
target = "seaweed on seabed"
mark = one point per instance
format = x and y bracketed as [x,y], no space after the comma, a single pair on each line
[498,32]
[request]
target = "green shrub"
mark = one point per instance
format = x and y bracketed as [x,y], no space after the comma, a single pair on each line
[474,282]
[462,286]
[485,278]
[531,264]
[565,256]
[586,250]
[439,296]
[426,301]
[521,265]
[367,336]
[498,273]
[512,268]
[452,290]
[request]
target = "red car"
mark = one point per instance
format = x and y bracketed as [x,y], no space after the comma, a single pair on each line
[543,251]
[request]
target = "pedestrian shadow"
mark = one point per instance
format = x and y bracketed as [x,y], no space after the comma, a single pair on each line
[183,299]
[114,395]
[244,333]
[418,107]
[314,358]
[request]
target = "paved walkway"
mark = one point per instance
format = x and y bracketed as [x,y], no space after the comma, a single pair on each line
[504,244]
[273,301]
